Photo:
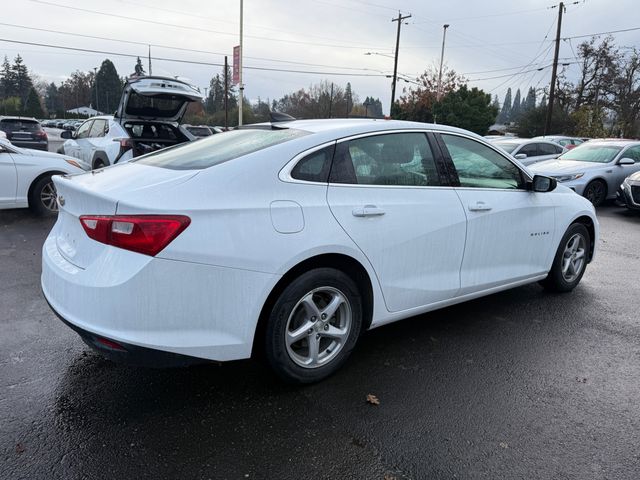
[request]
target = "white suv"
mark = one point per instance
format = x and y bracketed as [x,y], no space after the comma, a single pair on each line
[148,119]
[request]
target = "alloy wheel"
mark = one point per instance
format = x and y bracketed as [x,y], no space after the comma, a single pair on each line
[574,257]
[48,197]
[318,327]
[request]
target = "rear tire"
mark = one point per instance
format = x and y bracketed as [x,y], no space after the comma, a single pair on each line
[313,326]
[570,261]
[596,192]
[43,197]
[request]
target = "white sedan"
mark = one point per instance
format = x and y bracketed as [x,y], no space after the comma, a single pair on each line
[295,237]
[25,177]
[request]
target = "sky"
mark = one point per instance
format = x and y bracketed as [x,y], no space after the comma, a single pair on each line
[496,44]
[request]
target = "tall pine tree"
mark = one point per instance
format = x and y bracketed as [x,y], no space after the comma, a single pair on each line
[505,112]
[515,109]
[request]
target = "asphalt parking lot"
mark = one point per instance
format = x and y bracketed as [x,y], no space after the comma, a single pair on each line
[521,384]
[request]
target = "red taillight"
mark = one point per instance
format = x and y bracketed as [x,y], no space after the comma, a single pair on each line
[110,344]
[42,135]
[146,234]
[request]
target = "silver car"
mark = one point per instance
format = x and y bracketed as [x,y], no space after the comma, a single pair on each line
[528,151]
[629,192]
[563,141]
[595,169]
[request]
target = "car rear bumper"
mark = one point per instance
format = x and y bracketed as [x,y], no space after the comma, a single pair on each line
[44,145]
[203,311]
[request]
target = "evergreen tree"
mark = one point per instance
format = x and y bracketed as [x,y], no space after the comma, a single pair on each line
[22,80]
[529,103]
[496,103]
[51,99]
[139,68]
[7,80]
[109,87]
[32,106]
[515,109]
[505,113]
[543,102]
[215,99]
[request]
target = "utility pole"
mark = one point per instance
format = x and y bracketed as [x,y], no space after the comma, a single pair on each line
[149,59]
[395,62]
[240,71]
[331,100]
[552,87]
[444,36]
[95,82]
[226,94]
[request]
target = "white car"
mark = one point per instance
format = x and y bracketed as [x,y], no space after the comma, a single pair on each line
[295,237]
[148,119]
[25,177]
[529,151]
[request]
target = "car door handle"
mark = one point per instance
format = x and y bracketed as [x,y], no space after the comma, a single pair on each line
[368,211]
[479,207]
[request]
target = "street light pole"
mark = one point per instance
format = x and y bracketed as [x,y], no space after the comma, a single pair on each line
[395,62]
[444,36]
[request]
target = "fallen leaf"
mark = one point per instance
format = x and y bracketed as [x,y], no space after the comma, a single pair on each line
[373,400]
[504,445]
[20,448]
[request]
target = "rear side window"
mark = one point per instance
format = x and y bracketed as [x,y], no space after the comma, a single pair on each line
[529,150]
[314,167]
[83,130]
[549,149]
[98,128]
[395,159]
[217,149]
[10,125]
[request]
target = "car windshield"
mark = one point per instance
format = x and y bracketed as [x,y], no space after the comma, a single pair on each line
[154,106]
[217,149]
[592,153]
[507,146]
[9,125]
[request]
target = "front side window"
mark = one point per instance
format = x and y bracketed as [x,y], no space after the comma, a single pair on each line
[98,128]
[633,153]
[83,131]
[398,159]
[529,150]
[480,166]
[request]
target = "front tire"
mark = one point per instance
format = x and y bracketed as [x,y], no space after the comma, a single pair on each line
[43,197]
[570,261]
[313,326]
[596,192]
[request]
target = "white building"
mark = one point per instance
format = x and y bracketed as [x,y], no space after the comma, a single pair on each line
[91,112]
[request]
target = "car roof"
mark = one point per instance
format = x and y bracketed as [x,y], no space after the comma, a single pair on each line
[607,142]
[9,117]
[343,127]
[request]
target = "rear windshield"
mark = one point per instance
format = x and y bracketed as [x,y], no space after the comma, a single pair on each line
[592,153]
[154,106]
[9,125]
[507,147]
[217,149]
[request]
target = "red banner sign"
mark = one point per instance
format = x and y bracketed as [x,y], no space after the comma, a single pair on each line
[236,64]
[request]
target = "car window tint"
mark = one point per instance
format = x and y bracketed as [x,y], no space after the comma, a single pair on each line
[529,150]
[401,159]
[480,166]
[548,149]
[315,166]
[564,142]
[633,153]
[83,131]
[97,129]
[217,149]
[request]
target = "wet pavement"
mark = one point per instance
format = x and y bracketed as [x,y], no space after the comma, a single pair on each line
[521,384]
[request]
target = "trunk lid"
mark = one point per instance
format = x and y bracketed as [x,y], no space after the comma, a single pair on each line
[98,193]
[156,98]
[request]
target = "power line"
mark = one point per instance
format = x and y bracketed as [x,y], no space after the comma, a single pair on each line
[199,29]
[503,14]
[192,62]
[179,48]
[601,33]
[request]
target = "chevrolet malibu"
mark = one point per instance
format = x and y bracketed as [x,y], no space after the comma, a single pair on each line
[292,238]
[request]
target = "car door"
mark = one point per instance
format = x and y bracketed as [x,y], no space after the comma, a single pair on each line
[78,144]
[8,179]
[548,151]
[95,139]
[388,192]
[509,228]
[531,151]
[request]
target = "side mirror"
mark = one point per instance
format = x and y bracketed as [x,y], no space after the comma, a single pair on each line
[541,183]
[626,161]
[520,156]
[66,134]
